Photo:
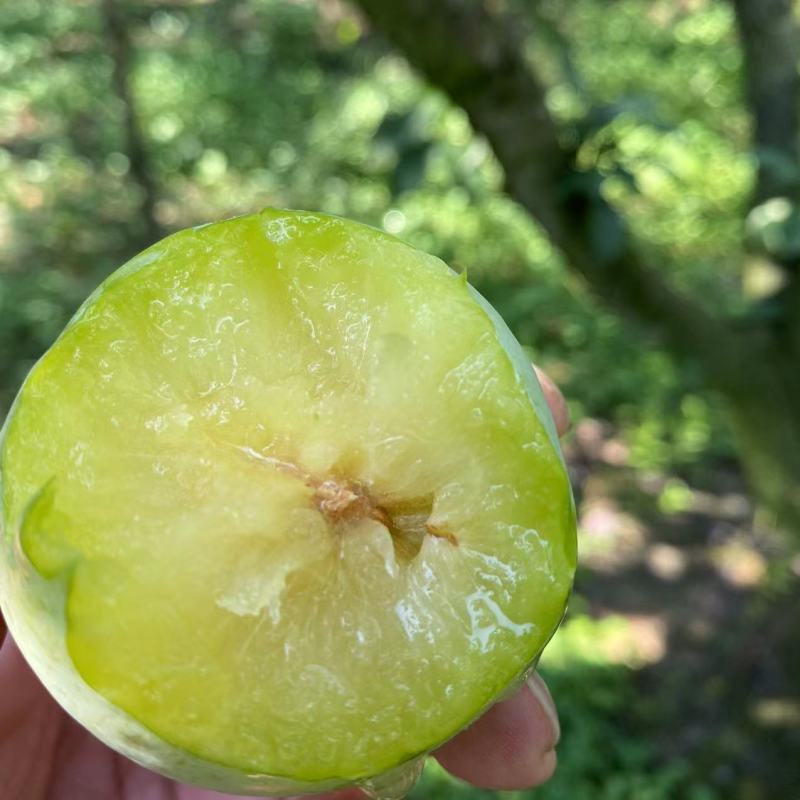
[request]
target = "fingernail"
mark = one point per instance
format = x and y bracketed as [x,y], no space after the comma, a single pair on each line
[540,691]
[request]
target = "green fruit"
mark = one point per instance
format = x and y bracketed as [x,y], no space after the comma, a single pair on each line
[283,507]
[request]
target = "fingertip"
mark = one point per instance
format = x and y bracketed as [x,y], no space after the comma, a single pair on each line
[547,766]
[539,689]
[510,747]
[555,401]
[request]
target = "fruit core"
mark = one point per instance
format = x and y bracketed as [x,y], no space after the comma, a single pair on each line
[343,502]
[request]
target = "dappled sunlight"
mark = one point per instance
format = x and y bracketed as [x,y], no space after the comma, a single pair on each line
[741,566]
[778,712]
[666,562]
[610,538]
[631,641]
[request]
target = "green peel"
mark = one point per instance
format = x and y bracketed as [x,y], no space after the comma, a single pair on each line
[283,508]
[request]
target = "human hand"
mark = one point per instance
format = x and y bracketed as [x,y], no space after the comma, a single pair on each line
[46,755]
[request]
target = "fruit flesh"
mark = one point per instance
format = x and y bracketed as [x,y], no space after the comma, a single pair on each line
[307,519]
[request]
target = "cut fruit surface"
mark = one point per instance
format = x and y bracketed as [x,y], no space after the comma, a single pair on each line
[306,516]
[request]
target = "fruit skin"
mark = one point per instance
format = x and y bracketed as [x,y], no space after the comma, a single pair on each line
[34,608]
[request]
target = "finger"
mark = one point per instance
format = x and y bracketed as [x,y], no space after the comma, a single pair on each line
[512,746]
[555,400]
[182,792]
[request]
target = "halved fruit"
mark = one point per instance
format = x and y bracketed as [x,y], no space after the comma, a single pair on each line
[285,495]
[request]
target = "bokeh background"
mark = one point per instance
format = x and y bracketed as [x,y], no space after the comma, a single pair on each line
[678,667]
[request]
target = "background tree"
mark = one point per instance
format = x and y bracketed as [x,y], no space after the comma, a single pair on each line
[478,58]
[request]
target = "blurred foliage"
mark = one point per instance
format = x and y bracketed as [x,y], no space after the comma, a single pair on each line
[248,103]
[267,102]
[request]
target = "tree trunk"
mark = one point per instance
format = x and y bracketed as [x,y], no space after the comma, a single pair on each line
[766,420]
[771,45]
[140,170]
[772,82]
[476,58]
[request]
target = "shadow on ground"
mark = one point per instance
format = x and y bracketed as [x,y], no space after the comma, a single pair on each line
[711,596]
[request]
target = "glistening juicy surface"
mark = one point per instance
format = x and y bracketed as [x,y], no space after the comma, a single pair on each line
[306,518]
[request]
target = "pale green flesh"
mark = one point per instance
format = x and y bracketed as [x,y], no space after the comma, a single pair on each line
[208,595]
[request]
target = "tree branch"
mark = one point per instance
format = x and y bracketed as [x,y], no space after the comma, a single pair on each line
[140,169]
[477,59]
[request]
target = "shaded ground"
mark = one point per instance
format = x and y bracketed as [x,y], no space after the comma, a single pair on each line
[712,595]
